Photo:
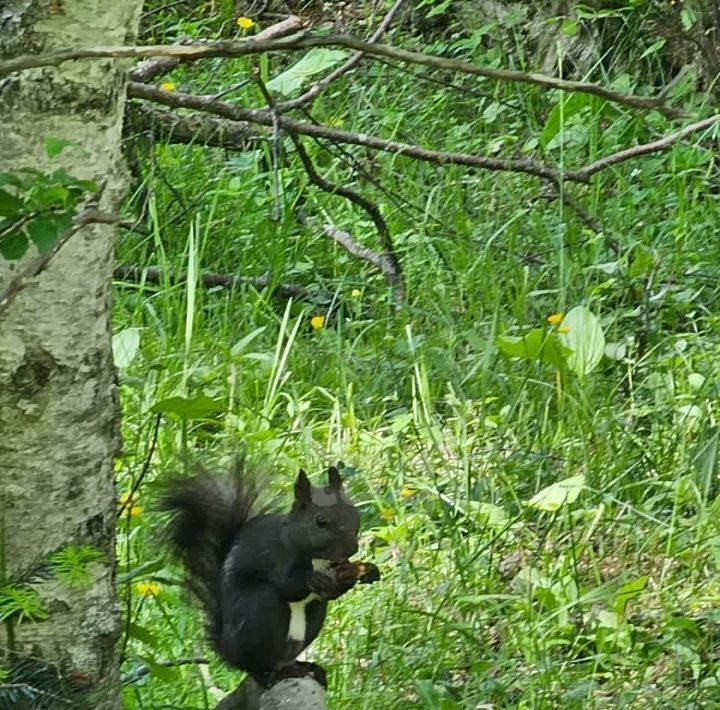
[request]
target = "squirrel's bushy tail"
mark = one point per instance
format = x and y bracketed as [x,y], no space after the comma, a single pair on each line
[207,513]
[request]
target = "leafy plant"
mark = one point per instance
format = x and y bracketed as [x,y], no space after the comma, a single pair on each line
[70,564]
[37,207]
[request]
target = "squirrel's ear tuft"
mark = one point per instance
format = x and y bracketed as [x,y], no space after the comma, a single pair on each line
[334,479]
[303,491]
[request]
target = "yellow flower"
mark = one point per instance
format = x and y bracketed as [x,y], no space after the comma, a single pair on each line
[387,514]
[563,329]
[356,293]
[128,503]
[244,22]
[407,492]
[168,86]
[555,318]
[317,322]
[147,589]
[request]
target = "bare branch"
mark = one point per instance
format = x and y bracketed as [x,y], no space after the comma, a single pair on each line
[264,117]
[645,148]
[244,47]
[194,130]
[379,261]
[153,275]
[388,263]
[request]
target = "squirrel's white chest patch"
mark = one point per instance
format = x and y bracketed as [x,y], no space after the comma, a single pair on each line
[298,622]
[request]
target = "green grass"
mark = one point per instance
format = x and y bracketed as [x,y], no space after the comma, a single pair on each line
[609,601]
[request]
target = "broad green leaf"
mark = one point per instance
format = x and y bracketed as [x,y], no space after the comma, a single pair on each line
[55,146]
[43,231]
[558,494]
[200,407]
[627,592]
[54,196]
[584,338]
[315,61]
[696,380]
[493,515]
[10,205]
[143,635]
[653,48]
[538,344]
[14,246]
[10,179]
[561,113]
[125,346]
[169,675]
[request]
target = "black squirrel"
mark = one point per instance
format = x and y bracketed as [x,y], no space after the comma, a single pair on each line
[265,579]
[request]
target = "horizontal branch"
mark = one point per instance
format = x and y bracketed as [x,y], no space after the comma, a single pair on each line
[250,45]
[266,118]
[645,148]
[194,130]
[153,68]
[154,275]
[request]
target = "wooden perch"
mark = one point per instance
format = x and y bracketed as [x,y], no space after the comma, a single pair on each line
[289,694]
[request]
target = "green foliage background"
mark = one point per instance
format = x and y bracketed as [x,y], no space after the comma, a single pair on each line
[497,592]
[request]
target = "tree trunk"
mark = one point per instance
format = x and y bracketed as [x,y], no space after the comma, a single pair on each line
[58,402]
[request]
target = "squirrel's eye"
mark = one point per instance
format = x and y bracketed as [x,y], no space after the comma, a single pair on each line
[321,522]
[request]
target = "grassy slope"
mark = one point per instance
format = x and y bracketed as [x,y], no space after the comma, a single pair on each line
[604,603]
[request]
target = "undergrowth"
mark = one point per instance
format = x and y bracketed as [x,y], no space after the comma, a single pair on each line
[494,593]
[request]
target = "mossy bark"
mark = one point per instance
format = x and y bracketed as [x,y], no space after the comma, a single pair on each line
[58,402]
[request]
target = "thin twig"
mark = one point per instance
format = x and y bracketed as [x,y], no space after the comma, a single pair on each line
[388,263]
[645,148]
[142,671]
[351,63]
[264,117]
[154,275]
[37,265]
[244,47]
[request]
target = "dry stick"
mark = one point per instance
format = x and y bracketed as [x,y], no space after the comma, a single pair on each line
[265,118]
[388,263]
[153,68]
[240,48]
[153,275]
[656,146]
[350,64]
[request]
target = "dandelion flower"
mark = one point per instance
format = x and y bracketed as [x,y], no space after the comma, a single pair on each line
[555,318]
[244,23]
[355,293]
[563,329]
[168,86]
[407,492]
[387,514]
[317,322]
[128,503]
[147,589]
